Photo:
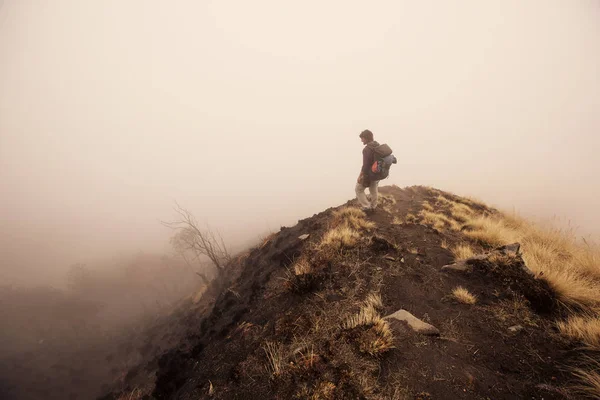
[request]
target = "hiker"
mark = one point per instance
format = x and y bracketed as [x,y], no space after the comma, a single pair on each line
[377,160]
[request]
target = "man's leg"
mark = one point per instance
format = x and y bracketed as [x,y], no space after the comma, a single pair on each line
[374,190]
[361,196]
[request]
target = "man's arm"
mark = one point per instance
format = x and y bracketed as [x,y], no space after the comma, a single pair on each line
[366,166]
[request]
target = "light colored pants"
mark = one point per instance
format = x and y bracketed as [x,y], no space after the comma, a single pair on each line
[362,197]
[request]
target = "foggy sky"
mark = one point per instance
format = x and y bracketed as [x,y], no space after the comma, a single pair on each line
[248,113]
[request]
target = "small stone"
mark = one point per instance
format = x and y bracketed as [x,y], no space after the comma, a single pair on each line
[402,260]
[304,237]
[515,328]
[511,249]
[415,323]
[460,266]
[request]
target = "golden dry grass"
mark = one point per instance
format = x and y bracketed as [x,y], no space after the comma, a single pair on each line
[324,391]
[463,252]
[590,381]
[427,206]
[444,244]
[571,266]
[367,315]
[583,329]
[462,295]
[374,300]
[340,237]
[492,231]
[302,267]
[135,394]
[439,221]
[411,218]
[274,353]
[443,200]
[378,337]
[353,218]
[397,221]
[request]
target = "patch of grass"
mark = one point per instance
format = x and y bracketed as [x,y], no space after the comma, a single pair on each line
[340,237]
[443,200]
[324,390]
[377,336]
[590,380]
[411,218]
[366,316]
[426,206]
[353,218]
[374,300]
[463,252]
[513,311]
[491,231]
[462,295]
[585,329]
[439,220]
[275,358]
[135,394]
[301,277]
[397,221]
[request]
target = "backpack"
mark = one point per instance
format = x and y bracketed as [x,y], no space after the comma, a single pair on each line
[383,160]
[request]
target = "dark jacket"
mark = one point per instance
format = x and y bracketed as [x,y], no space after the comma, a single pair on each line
[368,160]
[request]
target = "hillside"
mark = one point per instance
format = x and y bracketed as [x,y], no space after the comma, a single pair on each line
[421,299]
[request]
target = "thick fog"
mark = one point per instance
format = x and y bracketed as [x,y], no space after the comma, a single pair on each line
[248,114]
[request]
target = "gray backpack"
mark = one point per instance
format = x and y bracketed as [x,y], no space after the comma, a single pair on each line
[383,160]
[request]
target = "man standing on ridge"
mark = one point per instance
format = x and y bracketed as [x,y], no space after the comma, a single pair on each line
[365,179]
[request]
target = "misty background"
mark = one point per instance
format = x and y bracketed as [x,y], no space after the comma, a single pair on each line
[248,114]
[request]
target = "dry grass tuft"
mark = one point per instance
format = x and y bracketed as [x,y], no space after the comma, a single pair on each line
[397,221]
[461,212]
[366,316]
[444,244]
[427,206]
[275,358]
[340,237]
[302,267]
[377,337]
[439,221]
[463,252]
[353,218]
[462,295]
[585,329]
[590,381]
[301,276]
[411,218]
[323,391]
[135,394]
[374,300]
[443,200]
[491,231]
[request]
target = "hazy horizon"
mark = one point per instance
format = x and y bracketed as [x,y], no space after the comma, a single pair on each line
[248,114]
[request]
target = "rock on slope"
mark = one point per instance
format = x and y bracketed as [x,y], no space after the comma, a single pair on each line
[362,309]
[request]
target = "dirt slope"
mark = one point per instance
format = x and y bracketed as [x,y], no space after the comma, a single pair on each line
[302,319]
